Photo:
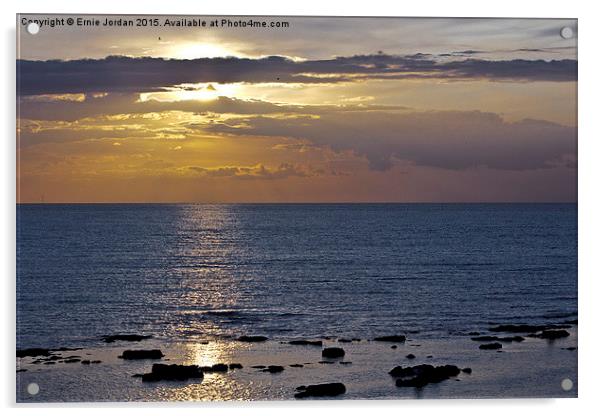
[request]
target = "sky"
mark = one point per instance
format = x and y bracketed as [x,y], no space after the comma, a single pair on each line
[324,110]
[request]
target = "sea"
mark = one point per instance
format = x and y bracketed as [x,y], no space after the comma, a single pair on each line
[193,272]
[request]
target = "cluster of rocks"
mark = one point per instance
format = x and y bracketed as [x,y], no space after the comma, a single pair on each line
[42,352]
[52,356]
[527,328]
[320,390]
[423,374]
[416,376]
[549,332]
[178,372]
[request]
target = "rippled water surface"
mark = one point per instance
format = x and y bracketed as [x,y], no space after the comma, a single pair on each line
[191,272]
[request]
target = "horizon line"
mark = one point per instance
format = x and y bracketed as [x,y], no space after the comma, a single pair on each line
[302,203]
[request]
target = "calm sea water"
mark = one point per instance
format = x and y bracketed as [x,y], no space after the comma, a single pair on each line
[190,272]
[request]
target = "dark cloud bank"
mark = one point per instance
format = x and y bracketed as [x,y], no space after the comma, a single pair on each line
[123,74]
[442,139]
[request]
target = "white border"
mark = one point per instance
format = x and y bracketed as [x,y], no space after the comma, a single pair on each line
[589,191]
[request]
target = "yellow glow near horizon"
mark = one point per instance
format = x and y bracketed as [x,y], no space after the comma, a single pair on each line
[201,50]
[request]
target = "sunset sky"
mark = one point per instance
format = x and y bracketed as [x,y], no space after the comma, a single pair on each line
[326,110]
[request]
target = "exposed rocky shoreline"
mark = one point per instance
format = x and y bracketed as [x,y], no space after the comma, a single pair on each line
[404,376]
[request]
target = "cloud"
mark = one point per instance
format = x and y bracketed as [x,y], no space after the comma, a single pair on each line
[442,139]
[128,103]
[382,134]
[284,170]
[129,74]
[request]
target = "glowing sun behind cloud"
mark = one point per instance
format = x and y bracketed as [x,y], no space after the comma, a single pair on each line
[201,50]
[201,92]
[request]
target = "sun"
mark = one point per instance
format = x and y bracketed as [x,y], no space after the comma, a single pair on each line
[200,92]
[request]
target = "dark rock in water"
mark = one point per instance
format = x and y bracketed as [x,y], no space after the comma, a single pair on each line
[525,328]
[333,352]
[356,339]
[33,352]
[325,362]
[344,340]
[138,375]
[393,347]
[220,367]
[258,366]
[95,362]
[305,342]
[49,363]
[252,338]
[516,328]
[570,348]
[67,349]
[21,370]
[234,366]
[474,333]
[296,365]
[491,346]
[215,368]
[345,362]
[423,374]
[391,338]
[171,372]
[467,370]
[273,369]
[141,355]
[72,360]
[553,334]
[125,337]
[410,356]
[429,356]
[487,338]
[85,362]
[321,390]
